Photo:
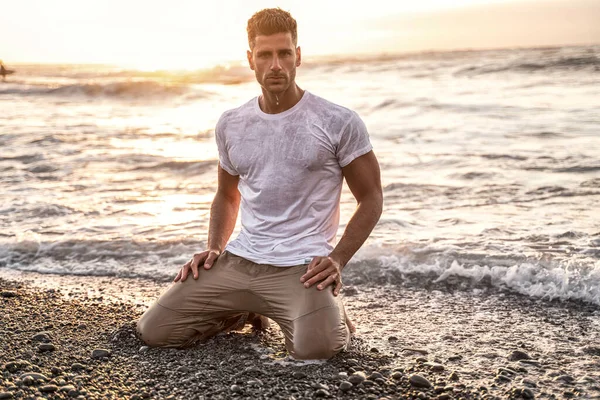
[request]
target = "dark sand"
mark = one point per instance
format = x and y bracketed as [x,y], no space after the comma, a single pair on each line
[465,344]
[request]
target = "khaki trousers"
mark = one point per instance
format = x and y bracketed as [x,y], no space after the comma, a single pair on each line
[312,321]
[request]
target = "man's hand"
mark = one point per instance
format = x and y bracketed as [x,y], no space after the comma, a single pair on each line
[207,258]
[325,270]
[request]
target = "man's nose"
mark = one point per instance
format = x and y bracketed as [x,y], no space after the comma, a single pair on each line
[276,65]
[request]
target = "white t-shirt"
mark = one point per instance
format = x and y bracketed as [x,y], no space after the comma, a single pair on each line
[290,169]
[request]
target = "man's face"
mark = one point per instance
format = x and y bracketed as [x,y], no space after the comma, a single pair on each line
[274,60]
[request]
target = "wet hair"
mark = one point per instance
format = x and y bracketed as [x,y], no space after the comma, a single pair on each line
[269,22]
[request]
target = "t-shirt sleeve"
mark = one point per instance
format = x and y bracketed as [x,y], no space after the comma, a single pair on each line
[224,160]
[354,141]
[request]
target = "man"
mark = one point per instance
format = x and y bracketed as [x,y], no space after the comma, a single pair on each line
[282,159]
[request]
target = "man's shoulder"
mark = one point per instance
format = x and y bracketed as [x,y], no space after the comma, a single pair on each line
[237,112]
[331,112]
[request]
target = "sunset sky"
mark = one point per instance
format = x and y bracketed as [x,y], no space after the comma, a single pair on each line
[188,34]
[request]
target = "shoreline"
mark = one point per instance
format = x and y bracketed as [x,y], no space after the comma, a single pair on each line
[465,345]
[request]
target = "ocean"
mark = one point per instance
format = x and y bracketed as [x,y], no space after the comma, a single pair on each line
[490,165]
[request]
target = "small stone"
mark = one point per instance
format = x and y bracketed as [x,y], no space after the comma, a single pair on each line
[503,378]
[46,347]
[518,355]
[28,381]
[419,381]
[49,388]
[100,353]
[564,378]
[376,375]
[349,291]
[435,367]
[299,375]
[374,350]
[317,385]
[322,393]
[453,376]
[443,397]
[7,294]
[397,375]
[527,393]
[35,376]
[42,337]
[392,339]
[56,371]
[528,382]
[144,349]
[235,389]
[345,386]
[357,378]
[67,388]
[77,367]
[342,375]
[6,395]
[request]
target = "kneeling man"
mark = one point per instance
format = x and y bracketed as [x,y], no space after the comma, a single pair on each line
[283,157]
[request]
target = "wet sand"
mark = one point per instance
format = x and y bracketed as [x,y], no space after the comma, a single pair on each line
[73,337]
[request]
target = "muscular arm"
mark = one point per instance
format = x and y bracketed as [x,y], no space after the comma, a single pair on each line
[223,211]
[223,214]
[364,180]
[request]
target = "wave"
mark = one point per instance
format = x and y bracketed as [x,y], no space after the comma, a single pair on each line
[581,63]
[426,268]
[124,89]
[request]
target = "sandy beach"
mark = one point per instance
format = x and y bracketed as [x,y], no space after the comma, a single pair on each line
[73,337]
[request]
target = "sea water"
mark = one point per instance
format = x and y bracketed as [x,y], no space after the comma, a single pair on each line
[490,166]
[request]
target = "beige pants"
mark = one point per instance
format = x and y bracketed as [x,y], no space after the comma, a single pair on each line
[313,321]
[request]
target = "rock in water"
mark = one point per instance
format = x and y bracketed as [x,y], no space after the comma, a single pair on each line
[418,381]
[518,355]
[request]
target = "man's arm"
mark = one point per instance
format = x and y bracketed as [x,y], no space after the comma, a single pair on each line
[223,214]
[364,180]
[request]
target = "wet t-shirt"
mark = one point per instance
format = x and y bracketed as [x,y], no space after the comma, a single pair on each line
[290,169]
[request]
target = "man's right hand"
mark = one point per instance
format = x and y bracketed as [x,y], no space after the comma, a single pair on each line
[207,258]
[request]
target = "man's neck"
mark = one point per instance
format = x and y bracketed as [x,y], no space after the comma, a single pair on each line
[275,103]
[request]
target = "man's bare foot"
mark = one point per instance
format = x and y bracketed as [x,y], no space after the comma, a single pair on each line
[258,322]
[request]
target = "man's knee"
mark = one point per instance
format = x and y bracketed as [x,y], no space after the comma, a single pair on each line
[319,335]
[151,328]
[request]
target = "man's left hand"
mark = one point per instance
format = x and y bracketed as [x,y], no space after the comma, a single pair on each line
[324,270]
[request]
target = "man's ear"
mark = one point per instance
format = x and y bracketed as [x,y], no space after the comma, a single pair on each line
[298,56]
[250,61]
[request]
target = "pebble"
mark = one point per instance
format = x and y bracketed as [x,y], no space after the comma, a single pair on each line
[345,386]
[48,388]
[77,367]
[67,388]
[453,376]
[322,393]
[528,382]
[235,389]
[342,375]
[518,355]
[6,395]
[419,381]
[564,378]
[46,347]
[357,378]
[35,376]
[392,339]
[527,393]
[144,349]
[8,293]
[41,337]
[100,353]
[317,385]
[397,375]
[435,367]
[376,375]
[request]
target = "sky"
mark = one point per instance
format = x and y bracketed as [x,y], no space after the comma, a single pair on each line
[191,34]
